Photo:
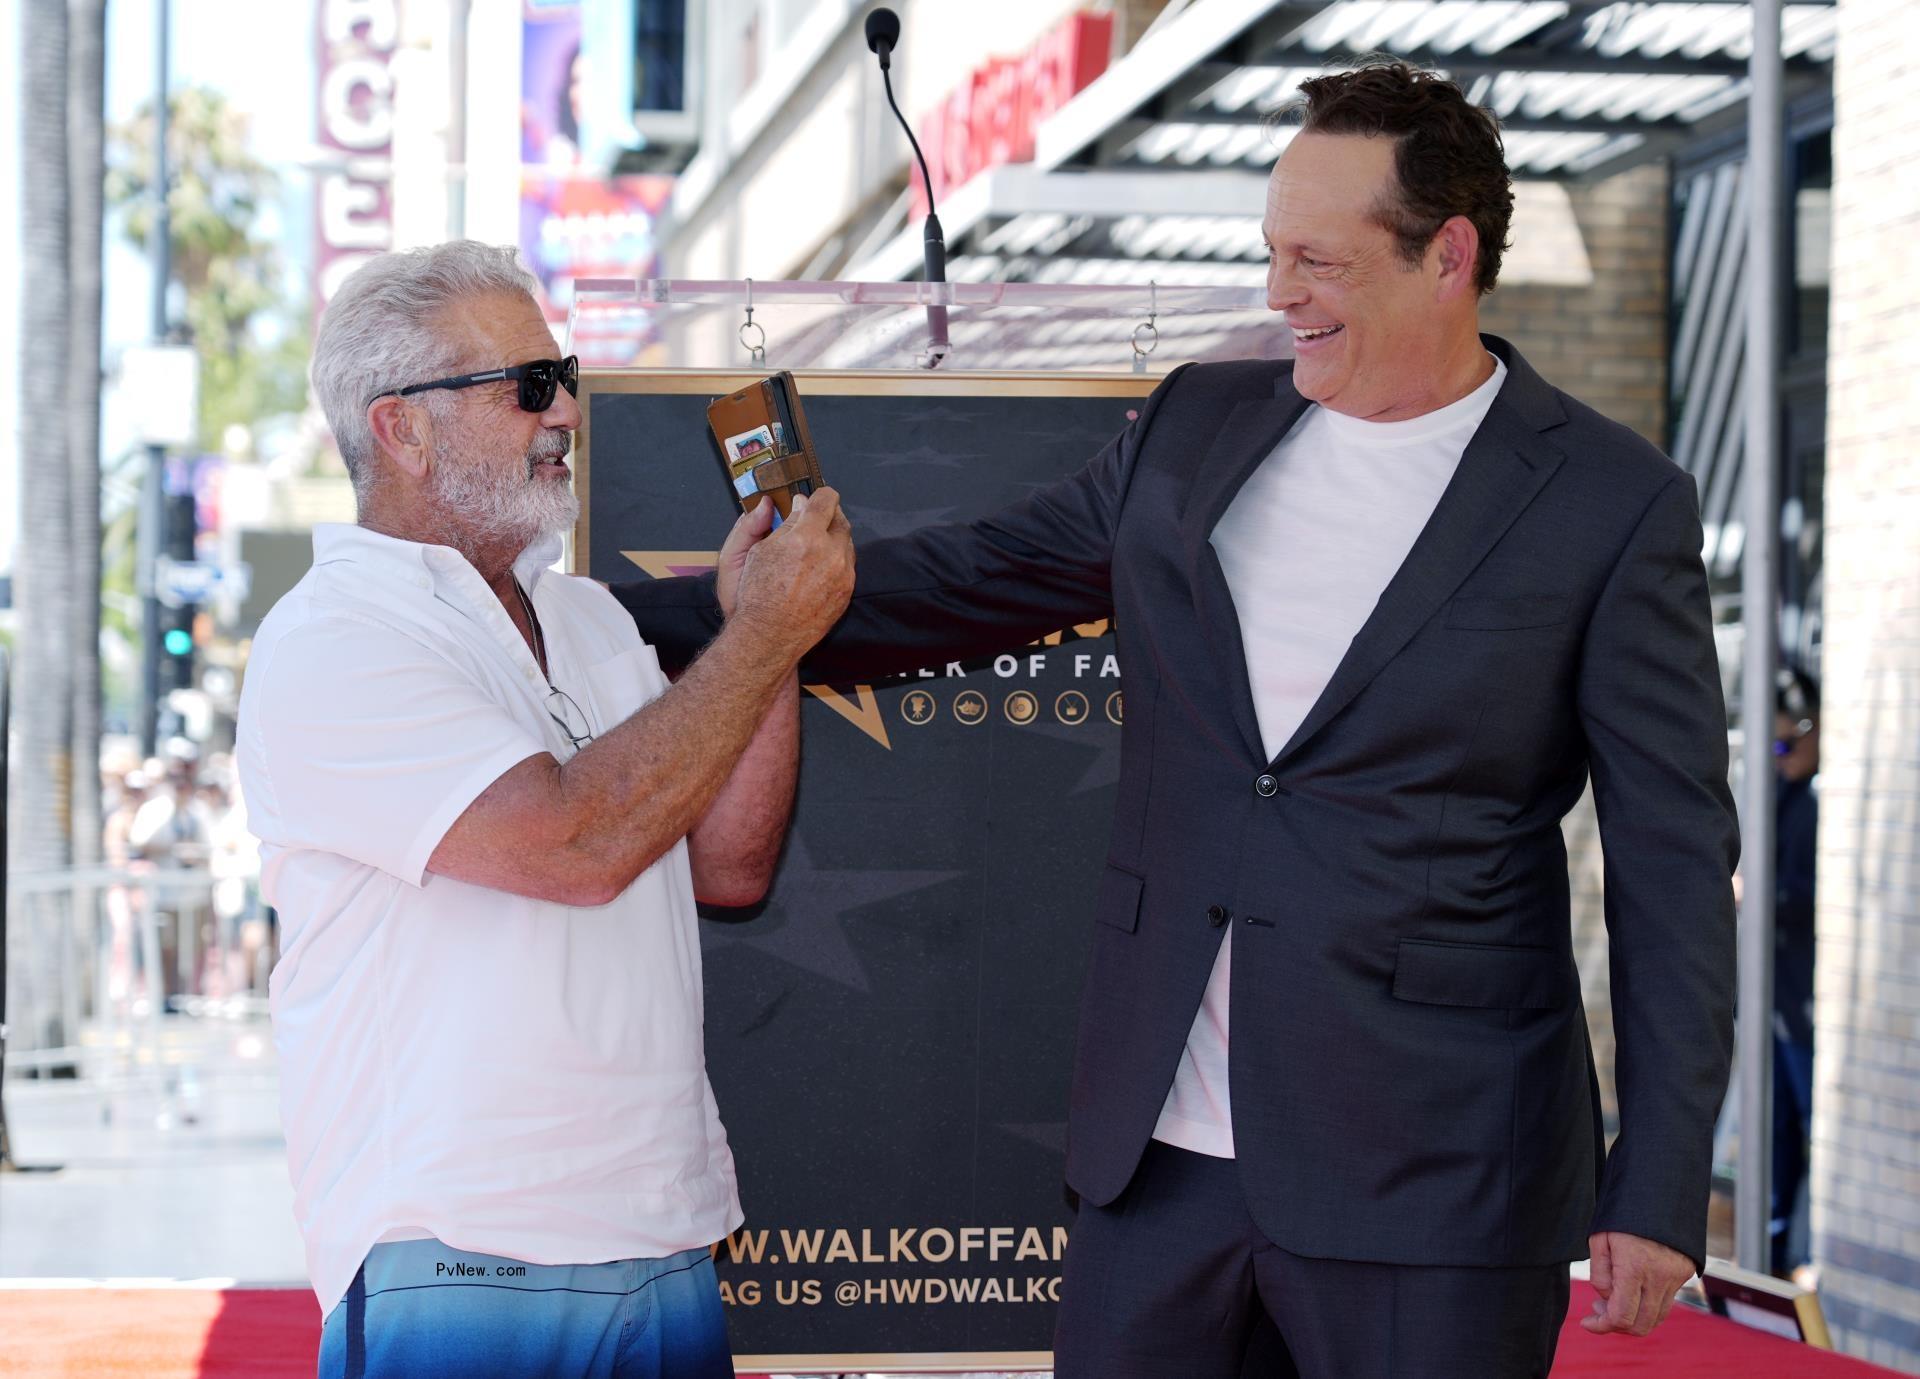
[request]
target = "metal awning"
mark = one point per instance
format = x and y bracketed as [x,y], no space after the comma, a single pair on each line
[1583,90]
[1174,139]
[1089,227]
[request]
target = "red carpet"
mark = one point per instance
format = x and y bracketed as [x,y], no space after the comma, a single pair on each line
[158,1333]
[252,1333]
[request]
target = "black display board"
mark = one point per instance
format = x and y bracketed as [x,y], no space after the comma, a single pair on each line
[889,1036]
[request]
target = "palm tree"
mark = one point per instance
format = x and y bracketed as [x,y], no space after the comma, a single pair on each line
[86,164]
[230,274]
[40,815]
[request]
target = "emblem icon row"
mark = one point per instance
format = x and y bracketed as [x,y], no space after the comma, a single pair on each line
[1021,708]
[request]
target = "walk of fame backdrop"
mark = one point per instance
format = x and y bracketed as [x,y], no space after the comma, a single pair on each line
[889,1035]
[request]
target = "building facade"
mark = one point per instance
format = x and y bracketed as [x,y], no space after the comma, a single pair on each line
[1866,1157]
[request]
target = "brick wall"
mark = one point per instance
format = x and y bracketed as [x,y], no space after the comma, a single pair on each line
[1603,340]
[1866,1168]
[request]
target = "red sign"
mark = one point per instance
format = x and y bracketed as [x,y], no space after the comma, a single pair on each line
[989,120]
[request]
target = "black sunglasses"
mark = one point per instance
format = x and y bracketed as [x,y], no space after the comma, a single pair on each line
[538,382]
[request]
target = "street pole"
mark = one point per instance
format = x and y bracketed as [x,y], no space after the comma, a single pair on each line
[460,26]
[1766,161]
[160,257]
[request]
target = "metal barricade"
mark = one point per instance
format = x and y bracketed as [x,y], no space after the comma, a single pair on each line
[102,953]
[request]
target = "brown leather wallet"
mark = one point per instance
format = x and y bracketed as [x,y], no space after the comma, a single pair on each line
[761,437]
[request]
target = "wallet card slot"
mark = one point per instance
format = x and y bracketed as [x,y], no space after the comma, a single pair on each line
[782,409]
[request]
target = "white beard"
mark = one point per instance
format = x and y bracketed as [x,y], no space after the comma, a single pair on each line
[494,506]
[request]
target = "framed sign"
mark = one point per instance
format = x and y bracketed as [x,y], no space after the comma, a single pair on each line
[890,1034]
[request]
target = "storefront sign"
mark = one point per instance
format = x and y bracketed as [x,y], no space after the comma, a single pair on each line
[355,198]
[576,221]
[989,120]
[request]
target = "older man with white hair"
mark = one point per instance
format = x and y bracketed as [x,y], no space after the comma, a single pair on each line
[484,818]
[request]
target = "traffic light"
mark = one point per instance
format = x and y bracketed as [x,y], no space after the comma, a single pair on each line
[176,648]
[177,640]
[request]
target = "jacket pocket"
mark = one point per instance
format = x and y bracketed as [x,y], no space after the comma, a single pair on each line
[1498,615]
[1481,974]
[1118,902]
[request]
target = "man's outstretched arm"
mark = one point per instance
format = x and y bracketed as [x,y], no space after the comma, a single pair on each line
[950,592]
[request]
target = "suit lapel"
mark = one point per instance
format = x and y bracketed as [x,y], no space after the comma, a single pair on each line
[1251,431]
[1505,465]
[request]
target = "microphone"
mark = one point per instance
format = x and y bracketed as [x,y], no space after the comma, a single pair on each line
[883,33]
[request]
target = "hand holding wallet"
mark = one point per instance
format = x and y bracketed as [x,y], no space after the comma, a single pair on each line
[761,437]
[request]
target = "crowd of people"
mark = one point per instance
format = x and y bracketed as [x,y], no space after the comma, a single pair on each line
[184,917]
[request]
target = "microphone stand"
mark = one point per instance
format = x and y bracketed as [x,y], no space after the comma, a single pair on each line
[933,239]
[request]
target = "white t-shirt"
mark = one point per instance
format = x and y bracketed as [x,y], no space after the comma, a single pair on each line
[515,1077]
[1308,546]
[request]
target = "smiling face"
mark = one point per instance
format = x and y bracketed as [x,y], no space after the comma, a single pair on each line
[1374,336]
[500,473]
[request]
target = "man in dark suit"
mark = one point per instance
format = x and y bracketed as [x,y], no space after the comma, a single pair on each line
[1382,611]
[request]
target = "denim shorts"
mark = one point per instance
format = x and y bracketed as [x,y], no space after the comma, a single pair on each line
[418,1308]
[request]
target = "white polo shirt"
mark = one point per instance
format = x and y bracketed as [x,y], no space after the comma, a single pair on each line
[513,1076]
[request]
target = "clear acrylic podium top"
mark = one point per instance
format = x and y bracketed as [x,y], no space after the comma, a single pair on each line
[714,324]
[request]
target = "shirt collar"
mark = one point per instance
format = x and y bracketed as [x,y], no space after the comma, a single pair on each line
[537,559]
[420,562]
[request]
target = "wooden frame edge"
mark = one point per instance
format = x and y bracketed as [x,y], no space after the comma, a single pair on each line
[823,383]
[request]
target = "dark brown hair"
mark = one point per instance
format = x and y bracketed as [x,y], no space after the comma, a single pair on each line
[1447,154]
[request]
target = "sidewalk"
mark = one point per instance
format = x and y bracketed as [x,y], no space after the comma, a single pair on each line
[170,1164]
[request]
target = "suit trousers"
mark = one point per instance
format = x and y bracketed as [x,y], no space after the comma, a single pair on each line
[1173,1280]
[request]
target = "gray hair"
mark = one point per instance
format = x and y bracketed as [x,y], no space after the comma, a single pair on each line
[380,332]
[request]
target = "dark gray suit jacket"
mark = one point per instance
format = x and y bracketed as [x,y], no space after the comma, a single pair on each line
[1410,1070]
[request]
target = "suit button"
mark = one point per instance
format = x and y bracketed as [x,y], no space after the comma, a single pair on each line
[1266,787]
[1217,915]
